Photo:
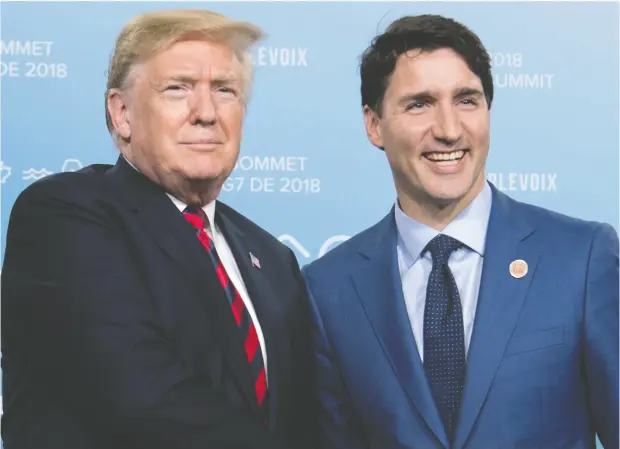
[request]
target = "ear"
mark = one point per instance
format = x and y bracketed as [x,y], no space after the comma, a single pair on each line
[373,130]
[117,108]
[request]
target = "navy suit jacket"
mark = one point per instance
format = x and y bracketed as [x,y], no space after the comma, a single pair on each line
[117,334]
[542,369]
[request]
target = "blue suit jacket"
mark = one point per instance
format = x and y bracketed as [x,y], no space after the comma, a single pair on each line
[542,370]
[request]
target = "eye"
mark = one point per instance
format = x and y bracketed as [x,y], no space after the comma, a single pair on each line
[227,90]
[469,102]
[415,105]
[176,90]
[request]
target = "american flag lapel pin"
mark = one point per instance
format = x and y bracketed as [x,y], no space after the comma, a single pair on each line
[255,261]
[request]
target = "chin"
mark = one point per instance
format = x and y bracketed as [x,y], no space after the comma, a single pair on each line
[201,171]
[447,195]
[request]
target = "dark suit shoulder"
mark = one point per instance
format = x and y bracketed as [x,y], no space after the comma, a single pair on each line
[256,233]
[85,192]
[70,186]
[53,208]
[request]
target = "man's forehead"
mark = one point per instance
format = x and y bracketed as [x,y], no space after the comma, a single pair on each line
[197,73]
[196,55]
[197,70]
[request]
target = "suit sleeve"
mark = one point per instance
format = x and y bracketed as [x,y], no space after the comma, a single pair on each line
[338,427]
[601,335]
[73,300]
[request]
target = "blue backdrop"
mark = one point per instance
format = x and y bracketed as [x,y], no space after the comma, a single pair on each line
[307,172]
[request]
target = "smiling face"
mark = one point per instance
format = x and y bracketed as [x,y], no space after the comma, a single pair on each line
[183,118]
[434,128]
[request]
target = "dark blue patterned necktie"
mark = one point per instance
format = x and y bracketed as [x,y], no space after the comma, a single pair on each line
[444,345]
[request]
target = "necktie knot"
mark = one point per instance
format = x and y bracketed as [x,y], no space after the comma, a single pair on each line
[196,217]
[441,247]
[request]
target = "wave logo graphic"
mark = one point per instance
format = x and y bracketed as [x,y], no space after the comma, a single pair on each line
[296,245]
[292,241]
[72,165]
[332,242]
[5,172]
[33,173]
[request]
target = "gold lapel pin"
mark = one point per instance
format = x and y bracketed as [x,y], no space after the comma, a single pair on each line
[518,268]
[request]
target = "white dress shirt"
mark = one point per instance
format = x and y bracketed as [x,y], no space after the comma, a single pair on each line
[466,263]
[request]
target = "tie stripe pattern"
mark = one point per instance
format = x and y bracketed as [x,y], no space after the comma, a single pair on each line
[444,342]
[199,220]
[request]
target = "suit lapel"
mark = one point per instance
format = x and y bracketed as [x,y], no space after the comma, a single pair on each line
[160,218]
[177,238]
[380,292]
[262,297]
[500,300]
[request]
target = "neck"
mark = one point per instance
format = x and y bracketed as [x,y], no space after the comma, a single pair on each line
[192,194]
[433,213]
[196,193]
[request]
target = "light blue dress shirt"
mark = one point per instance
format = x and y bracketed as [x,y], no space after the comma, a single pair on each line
[470,228]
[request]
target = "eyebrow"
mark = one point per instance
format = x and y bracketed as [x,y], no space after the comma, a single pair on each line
[181,78]
[468,92]
[225,79]
[427,95]
[219,79]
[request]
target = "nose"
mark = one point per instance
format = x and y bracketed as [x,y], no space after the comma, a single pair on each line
[203,108]
[447,128]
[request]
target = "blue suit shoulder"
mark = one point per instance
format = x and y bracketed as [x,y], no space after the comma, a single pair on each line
[558,227]
[552,229]
[335,266]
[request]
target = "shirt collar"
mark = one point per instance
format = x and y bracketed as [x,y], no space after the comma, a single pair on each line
[209,209]
[469,227]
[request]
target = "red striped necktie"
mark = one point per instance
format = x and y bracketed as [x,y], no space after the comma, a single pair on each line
[199,220]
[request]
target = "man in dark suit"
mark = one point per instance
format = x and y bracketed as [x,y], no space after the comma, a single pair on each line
[138,311]
[463,319]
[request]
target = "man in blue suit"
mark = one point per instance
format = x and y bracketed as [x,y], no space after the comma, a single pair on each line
[463,319]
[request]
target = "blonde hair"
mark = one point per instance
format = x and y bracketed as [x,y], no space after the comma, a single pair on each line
[153,32]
